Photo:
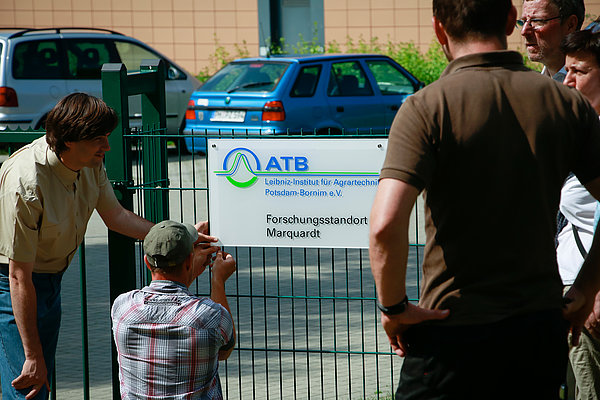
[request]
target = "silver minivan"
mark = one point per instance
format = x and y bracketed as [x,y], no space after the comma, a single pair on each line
[40,66]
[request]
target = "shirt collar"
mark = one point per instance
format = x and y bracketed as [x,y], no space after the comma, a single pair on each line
[66,176]
[490,59]
[558,77]
[170,287]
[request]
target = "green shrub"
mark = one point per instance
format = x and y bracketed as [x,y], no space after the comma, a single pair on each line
[220,58]
[427,66]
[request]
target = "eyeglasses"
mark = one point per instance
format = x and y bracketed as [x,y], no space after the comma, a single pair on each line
[536,23]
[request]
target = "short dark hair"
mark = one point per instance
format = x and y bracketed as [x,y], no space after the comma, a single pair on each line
[566,8]
[77,117]
[165,267]
[585,41]
[473,18]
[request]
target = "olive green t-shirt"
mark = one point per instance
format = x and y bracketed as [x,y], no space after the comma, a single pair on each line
[45,207]
[491,143]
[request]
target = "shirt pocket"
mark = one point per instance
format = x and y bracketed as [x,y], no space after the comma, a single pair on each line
[50,233]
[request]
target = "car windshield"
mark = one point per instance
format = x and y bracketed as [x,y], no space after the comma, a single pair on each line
[255,76]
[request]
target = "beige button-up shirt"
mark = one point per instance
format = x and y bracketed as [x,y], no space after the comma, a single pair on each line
[45,207]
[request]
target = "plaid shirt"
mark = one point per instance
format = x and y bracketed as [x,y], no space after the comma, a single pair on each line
[168,342]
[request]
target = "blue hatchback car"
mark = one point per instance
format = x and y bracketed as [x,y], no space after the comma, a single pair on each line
[326,94]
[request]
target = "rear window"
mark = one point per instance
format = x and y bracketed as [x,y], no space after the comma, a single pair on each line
[38,59]
[257,76]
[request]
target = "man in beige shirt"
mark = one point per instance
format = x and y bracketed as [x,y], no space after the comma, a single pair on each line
[48,191]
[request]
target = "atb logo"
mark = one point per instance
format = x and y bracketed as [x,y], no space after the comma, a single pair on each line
[243,168]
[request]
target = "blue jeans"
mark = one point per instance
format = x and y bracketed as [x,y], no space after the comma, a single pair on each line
[12,356]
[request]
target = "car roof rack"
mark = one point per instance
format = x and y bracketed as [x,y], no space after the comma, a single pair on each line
[58,30]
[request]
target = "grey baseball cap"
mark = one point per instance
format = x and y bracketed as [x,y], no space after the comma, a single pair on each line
[169,243]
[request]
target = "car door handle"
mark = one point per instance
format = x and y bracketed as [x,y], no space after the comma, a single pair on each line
[395,107]
[339,109]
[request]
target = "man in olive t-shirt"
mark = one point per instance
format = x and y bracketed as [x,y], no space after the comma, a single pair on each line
[490,145]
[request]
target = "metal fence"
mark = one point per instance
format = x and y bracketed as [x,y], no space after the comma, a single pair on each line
[306,319]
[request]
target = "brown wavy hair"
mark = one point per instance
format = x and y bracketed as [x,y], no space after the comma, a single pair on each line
[78,117]
[586,42]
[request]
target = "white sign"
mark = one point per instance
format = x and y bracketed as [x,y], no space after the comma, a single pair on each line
[293,192]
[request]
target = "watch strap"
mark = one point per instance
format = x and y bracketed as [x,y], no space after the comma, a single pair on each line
[395,309]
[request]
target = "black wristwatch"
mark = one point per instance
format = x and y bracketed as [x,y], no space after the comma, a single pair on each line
[395,309]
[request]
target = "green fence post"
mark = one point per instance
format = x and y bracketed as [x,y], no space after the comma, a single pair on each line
[121,251]
[154,120]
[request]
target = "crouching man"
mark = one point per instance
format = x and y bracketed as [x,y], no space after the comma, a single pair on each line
[169,342]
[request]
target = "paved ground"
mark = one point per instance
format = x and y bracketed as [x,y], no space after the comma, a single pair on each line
[303,330]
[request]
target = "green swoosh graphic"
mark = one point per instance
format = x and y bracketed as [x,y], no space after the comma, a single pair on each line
[242,184]
[234,167]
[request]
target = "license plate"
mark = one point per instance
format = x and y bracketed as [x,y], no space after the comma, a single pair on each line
[228,116]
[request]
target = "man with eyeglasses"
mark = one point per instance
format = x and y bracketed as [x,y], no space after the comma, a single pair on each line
[544,24]
[489,144]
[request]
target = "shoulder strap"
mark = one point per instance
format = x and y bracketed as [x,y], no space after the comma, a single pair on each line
[578,241]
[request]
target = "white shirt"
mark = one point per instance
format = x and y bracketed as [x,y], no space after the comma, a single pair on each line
[578,206]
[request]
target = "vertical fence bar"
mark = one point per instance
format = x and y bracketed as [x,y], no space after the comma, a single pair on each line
[335,366]
[292,302]
[362,323]
[84,320]
[264,264]
[306,306]
[250,263]
[279,321]
[239,337]
[320,299]
[348,324]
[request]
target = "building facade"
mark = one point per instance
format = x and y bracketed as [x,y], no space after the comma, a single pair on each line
[198,34]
